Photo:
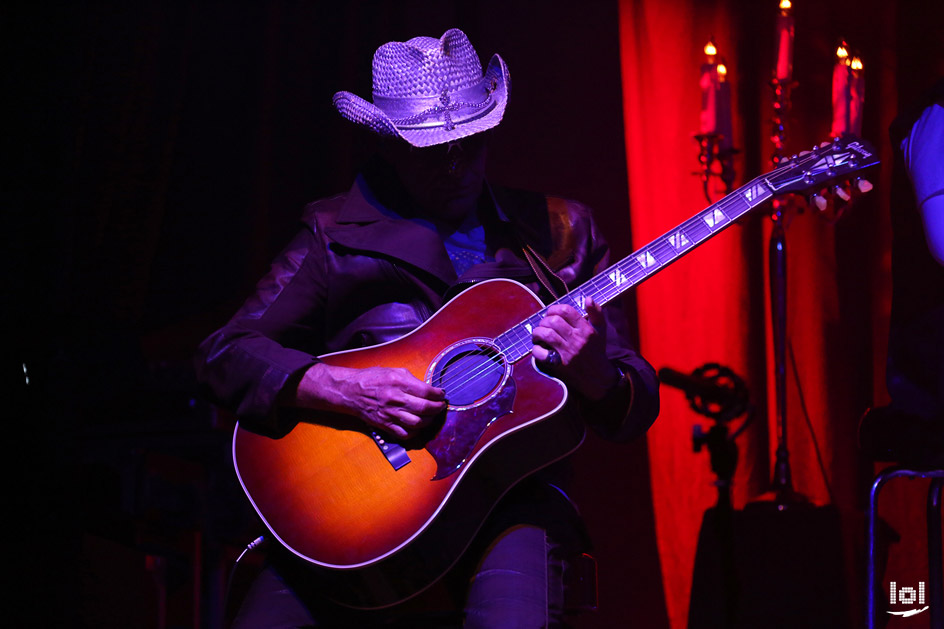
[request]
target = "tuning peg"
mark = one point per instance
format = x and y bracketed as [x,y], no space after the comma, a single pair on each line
[864,185]
[840,192]
[818,202]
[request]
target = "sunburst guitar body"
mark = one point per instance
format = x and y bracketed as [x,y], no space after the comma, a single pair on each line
[387,519]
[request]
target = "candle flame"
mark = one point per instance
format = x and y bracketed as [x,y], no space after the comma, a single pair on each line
[722,71]
[786,4]
[710,49]
[841,52]
[856,63]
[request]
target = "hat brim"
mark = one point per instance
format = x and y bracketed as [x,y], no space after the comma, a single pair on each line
[362,112]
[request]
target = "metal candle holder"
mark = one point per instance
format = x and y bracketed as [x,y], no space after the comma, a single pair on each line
[777,256]
[711,151]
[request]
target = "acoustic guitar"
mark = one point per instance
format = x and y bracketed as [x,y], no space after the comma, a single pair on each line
[387,519]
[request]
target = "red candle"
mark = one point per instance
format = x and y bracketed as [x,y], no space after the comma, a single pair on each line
[785,42]
[709,99]
[848,94]
[856,96]
[840,93]
[715,98]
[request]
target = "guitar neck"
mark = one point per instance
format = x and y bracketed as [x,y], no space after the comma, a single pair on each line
[644,262]
[840,158]
[669,247]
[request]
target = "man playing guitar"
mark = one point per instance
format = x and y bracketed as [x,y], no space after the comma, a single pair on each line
[369,269]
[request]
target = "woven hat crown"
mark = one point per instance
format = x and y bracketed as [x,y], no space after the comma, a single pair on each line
[424,66]
[428,91]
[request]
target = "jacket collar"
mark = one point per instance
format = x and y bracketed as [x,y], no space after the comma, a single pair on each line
[365,224]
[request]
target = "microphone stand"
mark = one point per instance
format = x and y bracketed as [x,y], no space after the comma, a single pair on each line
[782,492]
[719,394]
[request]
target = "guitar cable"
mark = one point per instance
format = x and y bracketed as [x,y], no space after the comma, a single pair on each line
[232,571]
[251,546]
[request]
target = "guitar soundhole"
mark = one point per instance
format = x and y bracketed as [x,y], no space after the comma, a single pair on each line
[469,372]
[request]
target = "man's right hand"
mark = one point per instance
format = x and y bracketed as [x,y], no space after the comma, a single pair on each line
[392,400]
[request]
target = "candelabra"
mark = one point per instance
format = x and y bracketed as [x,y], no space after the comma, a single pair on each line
[777,258]
[713,150]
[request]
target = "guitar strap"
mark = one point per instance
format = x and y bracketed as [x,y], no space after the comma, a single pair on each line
[543,271]
[548,278]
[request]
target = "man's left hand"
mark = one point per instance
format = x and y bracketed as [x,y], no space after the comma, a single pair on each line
[581,345]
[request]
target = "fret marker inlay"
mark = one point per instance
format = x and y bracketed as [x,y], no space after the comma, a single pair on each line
[679,240]
[645,260]
[715,218]
[617,277]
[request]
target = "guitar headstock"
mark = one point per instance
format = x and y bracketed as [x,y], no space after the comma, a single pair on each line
[836,160]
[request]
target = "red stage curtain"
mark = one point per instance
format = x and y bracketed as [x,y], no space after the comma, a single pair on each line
[698,310]
[713,305]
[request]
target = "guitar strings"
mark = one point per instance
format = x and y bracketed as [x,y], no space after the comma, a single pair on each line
[658,248]
[486,367]
[522,345]
[662,251]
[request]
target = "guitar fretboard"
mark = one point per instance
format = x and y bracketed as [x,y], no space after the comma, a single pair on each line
[516,343]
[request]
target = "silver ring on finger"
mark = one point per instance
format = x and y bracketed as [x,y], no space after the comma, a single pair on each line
[553,359]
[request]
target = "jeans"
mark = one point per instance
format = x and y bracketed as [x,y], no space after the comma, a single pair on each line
[512,577]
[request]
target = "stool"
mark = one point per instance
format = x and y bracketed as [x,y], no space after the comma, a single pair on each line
[921,461]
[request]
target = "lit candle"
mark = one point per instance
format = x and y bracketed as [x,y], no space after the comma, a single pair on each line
[840,91]
[715,98]
[785,42]
[709,92]
[856,96]
[848,93]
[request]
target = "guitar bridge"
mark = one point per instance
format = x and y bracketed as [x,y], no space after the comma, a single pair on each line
[395,454]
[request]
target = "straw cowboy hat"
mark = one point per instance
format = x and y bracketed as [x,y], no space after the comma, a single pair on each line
[430,91]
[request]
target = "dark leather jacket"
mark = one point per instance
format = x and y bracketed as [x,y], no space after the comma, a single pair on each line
[357,275]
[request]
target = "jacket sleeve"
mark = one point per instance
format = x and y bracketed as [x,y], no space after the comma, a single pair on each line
[245,365]
[631,408]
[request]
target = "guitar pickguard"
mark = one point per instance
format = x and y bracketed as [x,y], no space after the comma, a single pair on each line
[464,427]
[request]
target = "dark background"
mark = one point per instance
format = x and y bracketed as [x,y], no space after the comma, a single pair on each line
[159,156]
